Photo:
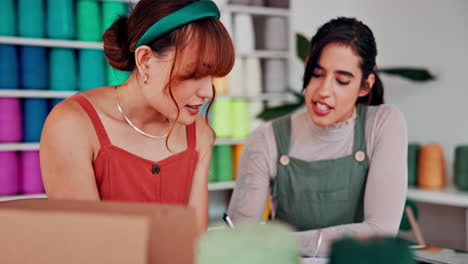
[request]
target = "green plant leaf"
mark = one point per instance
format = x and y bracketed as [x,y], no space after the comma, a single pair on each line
[413,74]
[302,46]
[270,113]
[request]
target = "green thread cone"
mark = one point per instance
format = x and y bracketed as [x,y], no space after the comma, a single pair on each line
[88,20]
[111,11]
[461,167]
[61,19]
[212,171]
[413,156]
[240,119]
[116,77]
[223,163]
[405,224]
[222,117]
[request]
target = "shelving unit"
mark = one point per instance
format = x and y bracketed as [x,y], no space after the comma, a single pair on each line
[217,186]
[447,196]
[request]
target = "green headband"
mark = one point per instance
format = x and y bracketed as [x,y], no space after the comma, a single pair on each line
[194,11]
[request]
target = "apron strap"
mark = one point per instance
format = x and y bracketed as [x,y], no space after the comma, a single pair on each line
[282,131]
[360,129]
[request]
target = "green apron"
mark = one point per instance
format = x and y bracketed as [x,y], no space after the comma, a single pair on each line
[323,193]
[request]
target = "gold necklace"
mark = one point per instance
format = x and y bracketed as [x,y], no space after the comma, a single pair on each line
[119,108]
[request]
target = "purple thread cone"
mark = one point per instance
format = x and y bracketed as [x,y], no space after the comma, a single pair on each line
[31,179]
[9,173]
[10,120]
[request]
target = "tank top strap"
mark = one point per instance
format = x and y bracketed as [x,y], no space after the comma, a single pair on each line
[88,107]
[192,135]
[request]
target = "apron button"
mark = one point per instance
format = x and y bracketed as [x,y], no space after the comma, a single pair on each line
[284,160]
[360,156]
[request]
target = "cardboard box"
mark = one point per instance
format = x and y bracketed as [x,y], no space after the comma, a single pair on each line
[44,231]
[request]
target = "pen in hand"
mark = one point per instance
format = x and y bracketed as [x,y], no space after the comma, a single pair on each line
[228,221]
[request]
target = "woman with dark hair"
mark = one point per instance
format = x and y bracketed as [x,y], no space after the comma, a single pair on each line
[339,168]
[143,140]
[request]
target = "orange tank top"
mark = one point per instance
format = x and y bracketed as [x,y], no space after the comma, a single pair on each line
[123,176]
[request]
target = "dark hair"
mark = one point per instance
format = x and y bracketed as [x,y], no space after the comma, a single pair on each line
[355,34]
[213,46]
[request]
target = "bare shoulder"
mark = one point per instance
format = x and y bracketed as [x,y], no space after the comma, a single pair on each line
[68,124]
[205,135]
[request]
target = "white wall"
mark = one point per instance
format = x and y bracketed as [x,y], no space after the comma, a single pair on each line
[428,33]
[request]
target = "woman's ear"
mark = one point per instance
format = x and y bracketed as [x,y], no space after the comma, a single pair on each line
[368,84]
[143,55]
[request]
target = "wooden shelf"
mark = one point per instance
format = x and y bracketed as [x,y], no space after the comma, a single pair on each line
[52,43]
[447,196]
[221,186]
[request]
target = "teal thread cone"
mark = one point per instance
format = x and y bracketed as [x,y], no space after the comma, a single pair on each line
[461,167]
[62,69]
[413,157]
[7,18]
[88,20]
[31,18]
[223,163]
[92,69]
[61,19]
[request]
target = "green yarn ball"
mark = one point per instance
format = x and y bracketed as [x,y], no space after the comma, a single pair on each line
[271,243]
[380,250]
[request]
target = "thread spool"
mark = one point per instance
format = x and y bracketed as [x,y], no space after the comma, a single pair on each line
[92,69]
[240,119]
[236,78]
[88,20]
[9,174]
[236,152]
[382,250]
[253,76]
[35,112]
[221,85]
[405,224]
[10,120]
[223,163]
[461,167]
[33,68]
[31,179]
[62,69]
[413,156]
[276,33]
[60,19]
[7,18]
[275,77]
[111,11]
[212,170]
[31,18]
[431,169]
[9,67]
[244,36]
[116,77]
[222,117]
